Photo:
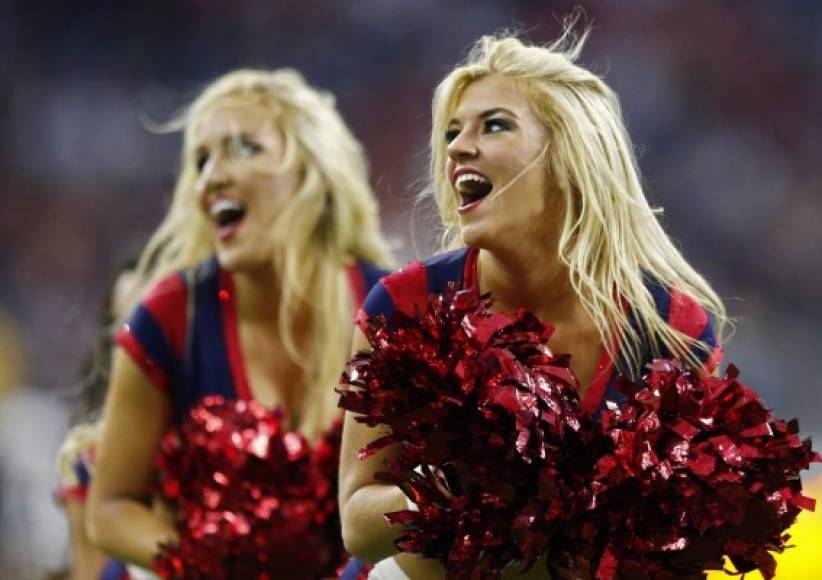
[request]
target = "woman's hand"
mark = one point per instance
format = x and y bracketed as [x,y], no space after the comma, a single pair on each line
[363,499]
[136,416]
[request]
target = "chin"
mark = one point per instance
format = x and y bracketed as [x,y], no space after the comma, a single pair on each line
[475,236]
[240,259]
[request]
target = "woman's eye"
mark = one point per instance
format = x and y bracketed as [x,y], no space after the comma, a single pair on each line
[244,146]
[200,161]
[496,125]
[451,134]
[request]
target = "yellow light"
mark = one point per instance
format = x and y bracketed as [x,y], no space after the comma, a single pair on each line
[804,561]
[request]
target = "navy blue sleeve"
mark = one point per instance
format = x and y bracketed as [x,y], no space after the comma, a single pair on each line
[445,268]
[150,335]
[371,275]
[708,336]
[378,301]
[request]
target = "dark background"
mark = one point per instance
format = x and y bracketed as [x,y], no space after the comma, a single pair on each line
[722,99]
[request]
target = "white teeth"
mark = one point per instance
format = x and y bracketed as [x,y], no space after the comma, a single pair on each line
[470,177]
[224,205]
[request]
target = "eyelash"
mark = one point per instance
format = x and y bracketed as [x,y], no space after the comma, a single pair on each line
[239,147]
[487,129]
[200,161]
[245,147]
[503,124]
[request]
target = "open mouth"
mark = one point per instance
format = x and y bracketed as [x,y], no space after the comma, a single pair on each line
[227,214]
[472,188]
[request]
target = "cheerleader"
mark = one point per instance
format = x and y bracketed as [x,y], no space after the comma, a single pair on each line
[541,204]
[270,243]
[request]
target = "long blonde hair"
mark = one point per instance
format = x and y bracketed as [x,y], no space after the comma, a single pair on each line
[611,239]
[330,222]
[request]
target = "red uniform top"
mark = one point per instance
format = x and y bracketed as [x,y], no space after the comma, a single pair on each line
[184,334]
[409,288]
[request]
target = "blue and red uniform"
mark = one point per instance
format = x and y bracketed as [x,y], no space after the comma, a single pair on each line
[184,336]
[409,288]
[184,333]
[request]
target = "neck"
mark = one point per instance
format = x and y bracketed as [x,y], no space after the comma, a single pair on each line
[532,277]
[257,294]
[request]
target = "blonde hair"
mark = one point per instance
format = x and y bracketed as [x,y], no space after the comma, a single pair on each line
[76,447]
[330,222]
[610,240]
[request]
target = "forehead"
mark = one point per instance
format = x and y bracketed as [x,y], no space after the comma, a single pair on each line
[223,119]
[491,92]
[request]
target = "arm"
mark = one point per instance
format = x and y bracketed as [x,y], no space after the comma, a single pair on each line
[364,500]
[72,466]
[86,560]
[136,416]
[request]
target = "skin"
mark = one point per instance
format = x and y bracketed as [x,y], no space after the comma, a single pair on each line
[495,132]
[519,223]
[86,560]
[236,148]
[238,152]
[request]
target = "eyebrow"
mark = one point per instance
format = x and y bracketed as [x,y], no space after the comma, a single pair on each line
[490,113]
[228,140]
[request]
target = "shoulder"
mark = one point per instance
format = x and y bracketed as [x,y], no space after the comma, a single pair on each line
[370,273]
[165,296]
[362,277]
[155,333]
[681,310]
[410,285]
[687,315]
[163,310]
[166,301]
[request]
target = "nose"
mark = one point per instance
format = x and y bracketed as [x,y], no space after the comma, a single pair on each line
[463,146]
[214,177]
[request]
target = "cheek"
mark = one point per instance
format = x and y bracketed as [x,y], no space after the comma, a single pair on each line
[274,193]
[449,167]
[526,197]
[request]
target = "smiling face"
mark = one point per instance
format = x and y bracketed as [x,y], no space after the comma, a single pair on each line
[496,165]
[241,186]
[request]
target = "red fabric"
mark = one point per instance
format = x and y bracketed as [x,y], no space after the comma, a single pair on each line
[408,288]
[167,303]
[361,319]
[77,493]
[469,275]
[595,392]
[232,336]
[714,360]
[125,339]
[686,315]
[357,282]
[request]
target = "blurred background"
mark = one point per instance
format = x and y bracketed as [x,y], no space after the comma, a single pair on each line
[722,100]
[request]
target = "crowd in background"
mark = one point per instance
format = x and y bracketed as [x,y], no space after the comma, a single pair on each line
[722,100]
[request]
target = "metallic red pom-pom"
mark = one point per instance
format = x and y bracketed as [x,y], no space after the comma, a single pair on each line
[503,466]
[686,470]
[486,420]
[252,498]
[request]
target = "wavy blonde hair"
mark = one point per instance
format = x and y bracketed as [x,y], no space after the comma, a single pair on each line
[330,222]
[611,239]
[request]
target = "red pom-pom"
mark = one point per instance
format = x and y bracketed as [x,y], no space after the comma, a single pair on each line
[503,466]
[488,416]
[251,496]
[688,469]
